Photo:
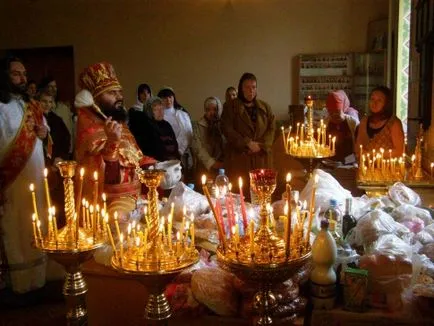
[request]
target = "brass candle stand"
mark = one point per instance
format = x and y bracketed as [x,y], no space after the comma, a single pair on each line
[152,256]
[378,169]
[70,246]
[304,145]
[261,256]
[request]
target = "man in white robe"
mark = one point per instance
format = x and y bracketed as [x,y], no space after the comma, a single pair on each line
[21,163]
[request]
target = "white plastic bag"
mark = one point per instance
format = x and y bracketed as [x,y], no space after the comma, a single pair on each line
[374,224]
[327,188]
[401,194]
[405,212]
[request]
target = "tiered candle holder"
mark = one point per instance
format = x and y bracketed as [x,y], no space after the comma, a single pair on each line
[152,256]
[70,246]
[262,255]
[304,145]
[378,169]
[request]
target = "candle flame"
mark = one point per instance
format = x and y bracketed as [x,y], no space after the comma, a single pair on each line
[116,215]
[129,229]
[288,177]
[97,207]
[240,182]
[83,202]
[285,209]
[32,187]
[53,210]
[81,173]
[233,229]
[432,165]
[104,197]
[203,179]
[33,217]
[169,218]
[121,238]
[251,213]
[95,176]
[178,236]
[191,218]
[38,223]
[305,205]
[296,196]
[91,209]
[45,172]
[103,212]
[138,242]
[133,224]
[187,225]
[282,128]
[230,187]
[106,218]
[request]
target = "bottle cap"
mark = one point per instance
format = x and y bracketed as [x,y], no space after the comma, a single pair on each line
[333,202]
[221,171]
[324,224]
[190,185]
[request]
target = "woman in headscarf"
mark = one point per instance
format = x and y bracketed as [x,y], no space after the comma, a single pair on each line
[153,134]
[208,139]
[248,125]
[341,97]
[180,121]
[381,129]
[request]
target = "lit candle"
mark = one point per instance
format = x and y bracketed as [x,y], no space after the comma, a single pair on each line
[219,226]
[169,230]
[285,145]
[234,237]
[38,228]
[88,221]
[80,191]
[53,212]
[35,235]
[312,210]
[50,225]
[432,166]
[285,225]
[138,252]
[47,189]
[97,210]
[243,204]
[104,200]
[334,144]
[121,247]
[35,208]
[83,213]
[192,231]
[172,209]
[95,188]
[178,244]
[288,214]
[92,219]
[298,127]
[230,204]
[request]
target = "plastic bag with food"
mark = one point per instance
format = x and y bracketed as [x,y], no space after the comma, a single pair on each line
[401,194]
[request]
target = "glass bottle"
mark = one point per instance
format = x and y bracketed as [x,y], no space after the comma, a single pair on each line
[222,183]
[348,220]
[333,212]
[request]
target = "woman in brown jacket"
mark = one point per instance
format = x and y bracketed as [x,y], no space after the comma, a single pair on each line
[248,125]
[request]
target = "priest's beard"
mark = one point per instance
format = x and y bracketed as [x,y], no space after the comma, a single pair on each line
[116,111]
[19,89]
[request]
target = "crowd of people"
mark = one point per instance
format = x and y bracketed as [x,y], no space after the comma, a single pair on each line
[37,131]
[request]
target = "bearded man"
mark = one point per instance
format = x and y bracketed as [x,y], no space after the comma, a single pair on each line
[22,129]
[104,143]
[208,140]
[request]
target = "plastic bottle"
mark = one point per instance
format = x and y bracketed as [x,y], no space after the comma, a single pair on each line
[333,212]
[222,182]
[323,276]
[348,220]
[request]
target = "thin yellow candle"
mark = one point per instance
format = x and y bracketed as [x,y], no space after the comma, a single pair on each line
[50,226]
[285,145]
[89,222]
[169,230]
[178,244]
[311,210]
[92,218]
[53,212]
[78,201]
[138,252]
[38,228]
[109,232]
[47,189]
[35,208]
[431,167]
[334,144]
[104,200]
[192,231]
[35,235]
[285,224]
[95,188]
[83,213]
[219,226]
[288,213]
[121,248]
[97,217]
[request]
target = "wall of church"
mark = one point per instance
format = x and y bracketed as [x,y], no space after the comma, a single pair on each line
[198,47]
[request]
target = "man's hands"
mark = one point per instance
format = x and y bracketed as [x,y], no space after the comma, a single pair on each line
[253,147]
[41,131]
[113,129]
